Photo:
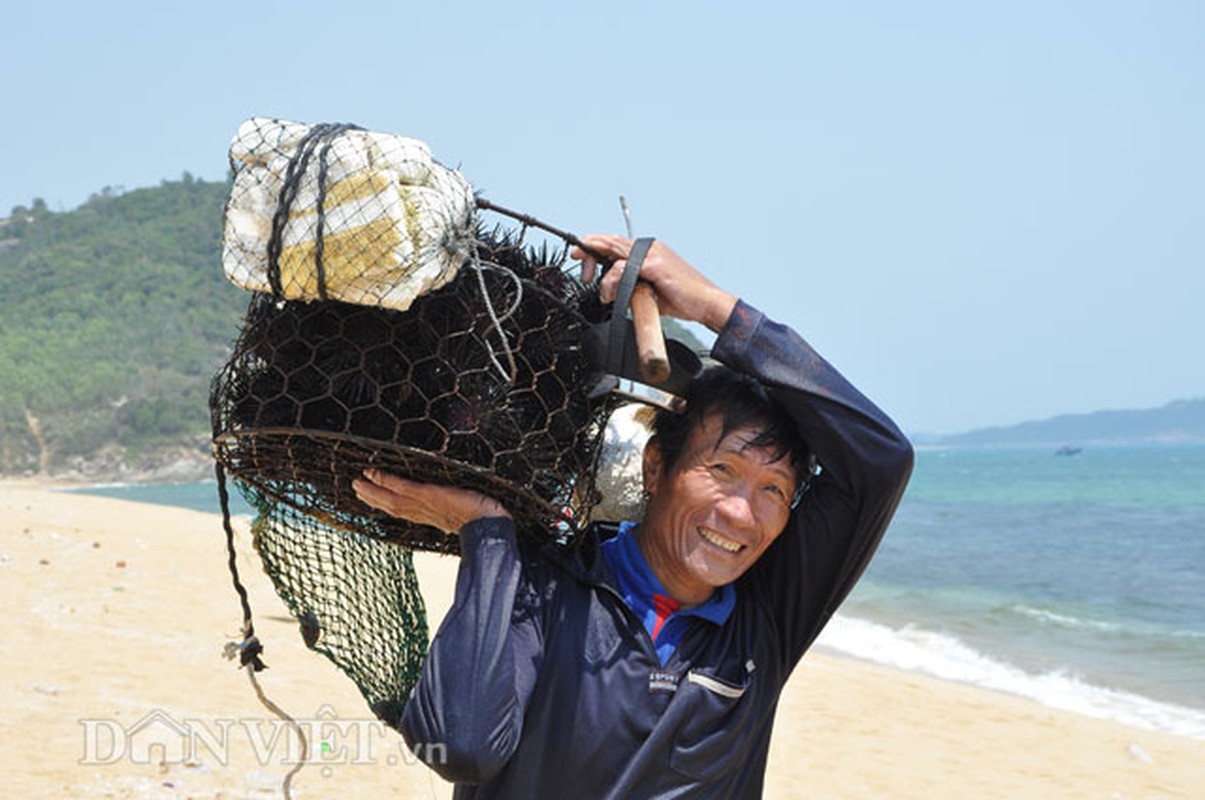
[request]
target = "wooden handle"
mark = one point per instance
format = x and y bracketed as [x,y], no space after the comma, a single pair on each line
[650,342]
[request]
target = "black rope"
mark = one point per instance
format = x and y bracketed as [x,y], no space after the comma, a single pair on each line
[284,204]
[249,648]
[329,137]
[325,134]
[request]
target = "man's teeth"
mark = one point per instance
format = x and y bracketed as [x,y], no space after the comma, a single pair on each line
[720,541]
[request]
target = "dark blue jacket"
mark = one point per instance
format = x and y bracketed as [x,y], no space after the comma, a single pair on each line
[542,683]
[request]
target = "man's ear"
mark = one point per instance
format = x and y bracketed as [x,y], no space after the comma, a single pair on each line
[653,464]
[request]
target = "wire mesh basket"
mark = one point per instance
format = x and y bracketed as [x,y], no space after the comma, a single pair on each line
[482,384]
[390,328]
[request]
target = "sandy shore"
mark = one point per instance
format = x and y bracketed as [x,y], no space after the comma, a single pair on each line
[118,613]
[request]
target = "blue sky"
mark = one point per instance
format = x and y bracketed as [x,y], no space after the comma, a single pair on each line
[982,213]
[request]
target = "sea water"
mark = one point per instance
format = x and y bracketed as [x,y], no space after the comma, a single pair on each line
[1077,581]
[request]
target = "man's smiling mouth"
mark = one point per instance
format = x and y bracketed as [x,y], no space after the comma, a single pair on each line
[721,542]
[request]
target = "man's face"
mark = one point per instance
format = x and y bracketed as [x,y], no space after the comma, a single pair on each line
[715,512]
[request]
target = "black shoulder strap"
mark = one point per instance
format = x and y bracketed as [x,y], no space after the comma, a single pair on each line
[611,344]
[623,297]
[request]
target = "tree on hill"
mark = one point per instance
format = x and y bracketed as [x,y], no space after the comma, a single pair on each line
[112,320]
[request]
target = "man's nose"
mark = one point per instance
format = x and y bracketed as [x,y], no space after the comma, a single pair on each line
[737,509]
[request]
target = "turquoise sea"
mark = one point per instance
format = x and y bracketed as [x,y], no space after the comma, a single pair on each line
[1077,581]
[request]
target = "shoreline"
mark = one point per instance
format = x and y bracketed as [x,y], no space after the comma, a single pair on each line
[917,647]
[129,610]
[1059,690]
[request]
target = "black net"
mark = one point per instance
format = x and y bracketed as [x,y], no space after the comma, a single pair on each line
[479,379]
[317,392]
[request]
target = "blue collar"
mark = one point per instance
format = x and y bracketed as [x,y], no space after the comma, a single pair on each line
[638,585]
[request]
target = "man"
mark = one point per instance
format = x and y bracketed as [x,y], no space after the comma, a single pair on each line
[649,663]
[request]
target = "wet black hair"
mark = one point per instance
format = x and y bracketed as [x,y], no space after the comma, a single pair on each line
[741,401]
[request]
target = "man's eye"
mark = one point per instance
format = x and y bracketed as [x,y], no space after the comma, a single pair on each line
[777,491]
[720,469]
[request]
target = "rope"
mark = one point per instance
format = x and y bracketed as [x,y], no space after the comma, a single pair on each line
[325,134]
[249,649]
[480,267]
[288,193]
[280,713]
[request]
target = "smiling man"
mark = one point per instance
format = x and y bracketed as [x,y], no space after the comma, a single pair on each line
[718,499]
[648,662]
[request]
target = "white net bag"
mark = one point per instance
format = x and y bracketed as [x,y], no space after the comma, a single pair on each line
[337,212]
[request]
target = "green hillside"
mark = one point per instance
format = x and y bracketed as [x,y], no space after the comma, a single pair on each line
[113,317]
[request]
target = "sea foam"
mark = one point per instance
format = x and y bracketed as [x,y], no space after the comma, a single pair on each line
[946,657]
[1056,619]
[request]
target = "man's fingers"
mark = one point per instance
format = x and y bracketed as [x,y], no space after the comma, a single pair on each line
[444,507]
[589,267]
[608,244]
[385,491]
[372,494]
[390,481]
[609,287]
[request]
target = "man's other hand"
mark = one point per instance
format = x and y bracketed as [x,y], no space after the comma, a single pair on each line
[682,291]
[444,507]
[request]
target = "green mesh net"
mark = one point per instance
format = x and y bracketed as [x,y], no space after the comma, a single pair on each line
[356,599]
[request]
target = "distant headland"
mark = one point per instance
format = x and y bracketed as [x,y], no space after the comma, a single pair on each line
[1181,421]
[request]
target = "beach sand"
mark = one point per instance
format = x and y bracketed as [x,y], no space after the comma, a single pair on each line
[118,612]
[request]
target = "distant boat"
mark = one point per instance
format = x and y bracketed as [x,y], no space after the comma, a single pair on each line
[1068,450]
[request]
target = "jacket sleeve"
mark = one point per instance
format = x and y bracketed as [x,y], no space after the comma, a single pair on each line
[466,712]
[864,462]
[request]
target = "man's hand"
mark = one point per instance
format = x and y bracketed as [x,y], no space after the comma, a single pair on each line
[682,291]
[444,507]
